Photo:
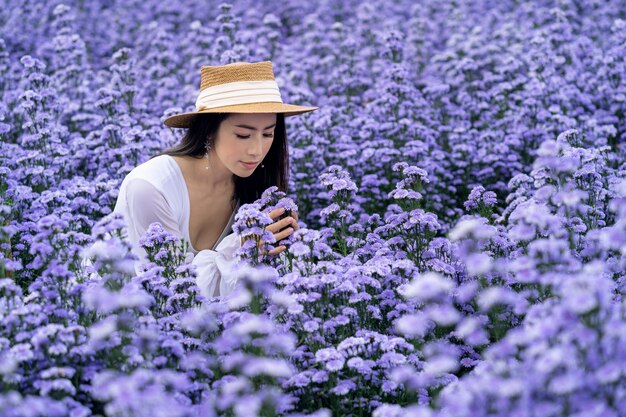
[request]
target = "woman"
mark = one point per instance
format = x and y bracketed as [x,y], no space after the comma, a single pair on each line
[235,148]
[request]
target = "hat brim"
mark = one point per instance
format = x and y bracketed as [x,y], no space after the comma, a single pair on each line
[185,119]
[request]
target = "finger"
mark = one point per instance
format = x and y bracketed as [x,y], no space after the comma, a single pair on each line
[288,221]
[262,245]
[274,251]
[276,212]
[277,250]
[283,234]
[280,224]
[295,215]
[264,252]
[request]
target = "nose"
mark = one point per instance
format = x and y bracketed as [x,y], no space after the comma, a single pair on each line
[256,147]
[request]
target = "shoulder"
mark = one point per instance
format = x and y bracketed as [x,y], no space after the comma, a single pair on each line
[159,171]
[159,177]
[152,165]
[153,188]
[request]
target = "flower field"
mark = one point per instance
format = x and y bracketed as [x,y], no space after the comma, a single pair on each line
[461,194]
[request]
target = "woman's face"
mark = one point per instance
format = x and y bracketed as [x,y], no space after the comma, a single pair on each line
[245,138]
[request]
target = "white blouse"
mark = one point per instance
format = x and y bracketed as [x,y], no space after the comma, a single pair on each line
[155,191]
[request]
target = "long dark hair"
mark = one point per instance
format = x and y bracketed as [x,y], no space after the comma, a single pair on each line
[276,171]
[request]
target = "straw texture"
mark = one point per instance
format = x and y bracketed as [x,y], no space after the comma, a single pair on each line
[238,71]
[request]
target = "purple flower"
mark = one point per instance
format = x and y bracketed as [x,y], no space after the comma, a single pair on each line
[311,326]
[480,199]
[338,181]
[426,286]
[413,325]
[343,387]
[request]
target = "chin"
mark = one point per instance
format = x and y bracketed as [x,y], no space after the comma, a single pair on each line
[243,173]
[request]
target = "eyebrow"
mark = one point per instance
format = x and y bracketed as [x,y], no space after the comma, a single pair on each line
[254,128]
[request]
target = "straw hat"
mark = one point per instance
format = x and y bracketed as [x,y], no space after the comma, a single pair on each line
[240,87]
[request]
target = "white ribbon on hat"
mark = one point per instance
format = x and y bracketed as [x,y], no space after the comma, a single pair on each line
[238,92]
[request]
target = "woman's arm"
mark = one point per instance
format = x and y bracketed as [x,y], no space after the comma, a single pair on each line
[146,205]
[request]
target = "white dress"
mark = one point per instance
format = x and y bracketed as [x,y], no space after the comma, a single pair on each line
[155,191]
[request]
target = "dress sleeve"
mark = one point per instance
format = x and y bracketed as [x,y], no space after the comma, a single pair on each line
[146,205]
[213,267]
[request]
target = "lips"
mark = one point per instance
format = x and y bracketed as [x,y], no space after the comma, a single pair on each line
[249,164]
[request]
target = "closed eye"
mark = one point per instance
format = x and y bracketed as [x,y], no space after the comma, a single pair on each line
[247,137]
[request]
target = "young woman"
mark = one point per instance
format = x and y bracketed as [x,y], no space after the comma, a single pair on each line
[235,148]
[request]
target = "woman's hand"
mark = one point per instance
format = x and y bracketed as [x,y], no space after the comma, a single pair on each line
[291,222]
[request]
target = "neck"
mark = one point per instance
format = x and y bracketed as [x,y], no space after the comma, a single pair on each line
[216,178]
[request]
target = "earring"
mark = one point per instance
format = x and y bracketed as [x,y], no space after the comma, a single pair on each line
[208,148]
[262,166]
